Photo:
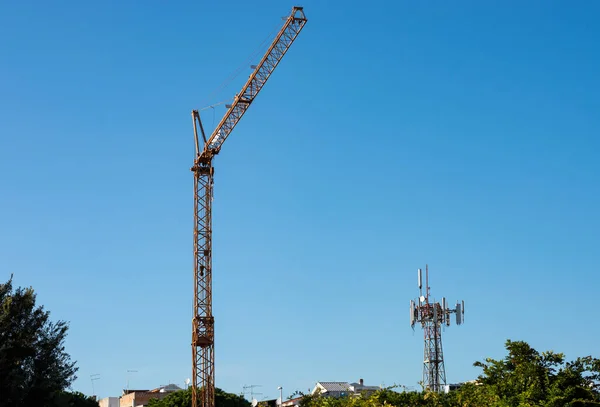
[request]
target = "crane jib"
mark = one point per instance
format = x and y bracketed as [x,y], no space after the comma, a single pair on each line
[284,39]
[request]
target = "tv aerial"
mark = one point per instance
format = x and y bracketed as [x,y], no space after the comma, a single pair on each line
[252,392]
[93,378]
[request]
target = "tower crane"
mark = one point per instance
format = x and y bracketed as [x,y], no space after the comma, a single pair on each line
[203,322]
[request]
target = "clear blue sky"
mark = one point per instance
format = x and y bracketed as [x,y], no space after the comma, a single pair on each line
[393,134]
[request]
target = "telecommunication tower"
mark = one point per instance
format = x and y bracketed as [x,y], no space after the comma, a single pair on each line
[432,315]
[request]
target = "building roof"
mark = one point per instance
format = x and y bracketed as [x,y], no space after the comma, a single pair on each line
[165,389]
[291,401]
[162,389]
[127,391]
[363,386]
[335,386]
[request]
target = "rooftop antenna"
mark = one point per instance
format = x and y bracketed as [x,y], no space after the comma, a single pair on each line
[252,392]
[432,315]
[129,371]
[93,378]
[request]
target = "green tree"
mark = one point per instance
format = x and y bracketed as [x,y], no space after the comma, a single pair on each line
[475,395]
[75,399]
[526,377]
[34,367]
[385,397]
[183,398]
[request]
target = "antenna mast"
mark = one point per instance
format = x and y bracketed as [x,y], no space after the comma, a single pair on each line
[432,315]
[252,392]
[93,378]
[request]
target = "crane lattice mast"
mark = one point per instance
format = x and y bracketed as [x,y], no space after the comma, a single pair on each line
[203,323]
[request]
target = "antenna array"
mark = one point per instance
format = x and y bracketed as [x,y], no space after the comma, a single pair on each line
[432,315]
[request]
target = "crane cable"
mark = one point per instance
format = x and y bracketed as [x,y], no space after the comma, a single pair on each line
[239,69]
[213,109]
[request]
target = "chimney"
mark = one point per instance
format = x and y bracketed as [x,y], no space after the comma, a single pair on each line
[361,381]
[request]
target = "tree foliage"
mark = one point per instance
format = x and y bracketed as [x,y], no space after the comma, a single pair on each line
[183,398]
[34,367]
[524,378]
[74,399]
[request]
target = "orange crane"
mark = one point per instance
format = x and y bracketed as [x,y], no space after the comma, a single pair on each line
[203,322]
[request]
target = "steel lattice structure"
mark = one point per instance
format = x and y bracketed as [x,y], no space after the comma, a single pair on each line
[432,315]
[434,372]
[203,322]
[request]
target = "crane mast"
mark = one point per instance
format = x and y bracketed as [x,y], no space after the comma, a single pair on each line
[203,322]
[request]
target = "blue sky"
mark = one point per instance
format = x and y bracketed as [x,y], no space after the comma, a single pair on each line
[393,134]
